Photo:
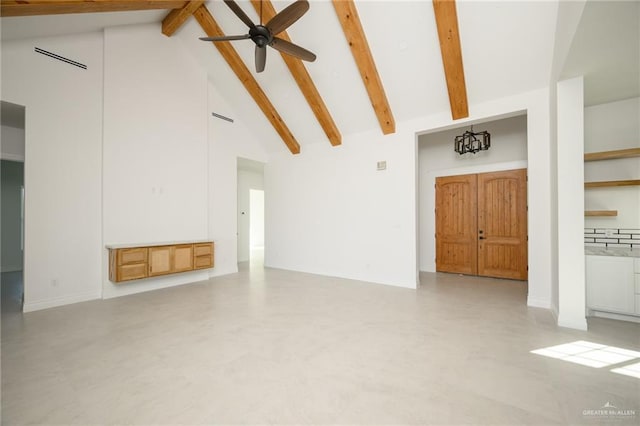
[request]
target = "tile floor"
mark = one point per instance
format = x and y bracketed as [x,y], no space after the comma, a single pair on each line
[279,347]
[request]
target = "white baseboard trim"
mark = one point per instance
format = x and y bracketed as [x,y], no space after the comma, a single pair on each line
[218,273]
[554,311]
[59,301]
[575,323]
[538,303]
[622,317]
[12,157]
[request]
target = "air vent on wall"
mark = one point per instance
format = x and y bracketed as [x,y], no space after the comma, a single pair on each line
[222,117]
[60,58]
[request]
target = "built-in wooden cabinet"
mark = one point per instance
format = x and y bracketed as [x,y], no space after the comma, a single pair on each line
[133,263]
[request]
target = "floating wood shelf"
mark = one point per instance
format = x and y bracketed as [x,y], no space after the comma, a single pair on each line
[603,184]
[611,155]
[601,213]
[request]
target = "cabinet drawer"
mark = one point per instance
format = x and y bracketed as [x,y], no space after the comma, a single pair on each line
[203,249]
[637,277]
[132,272]
[132,255]
[636,265]
[202,262]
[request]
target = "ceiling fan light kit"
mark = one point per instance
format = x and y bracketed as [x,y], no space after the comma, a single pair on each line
[472,142]
[265,35]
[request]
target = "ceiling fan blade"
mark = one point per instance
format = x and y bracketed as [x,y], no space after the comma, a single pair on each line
[239,13]
[287,16]
[226,38]
[292,49]
[261,58]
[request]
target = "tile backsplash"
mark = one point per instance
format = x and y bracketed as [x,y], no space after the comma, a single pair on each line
[612,237]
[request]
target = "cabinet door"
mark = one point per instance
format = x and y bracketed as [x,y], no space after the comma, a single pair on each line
[160,260]
[610,284]
[183,258]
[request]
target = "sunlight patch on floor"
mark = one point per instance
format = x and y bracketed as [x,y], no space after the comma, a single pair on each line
[593,355]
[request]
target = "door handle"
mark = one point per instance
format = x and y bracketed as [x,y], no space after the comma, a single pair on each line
[481,237]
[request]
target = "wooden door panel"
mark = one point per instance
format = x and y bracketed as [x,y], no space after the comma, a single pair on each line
[456,224]
[160,260]
[502,224]
[183,258]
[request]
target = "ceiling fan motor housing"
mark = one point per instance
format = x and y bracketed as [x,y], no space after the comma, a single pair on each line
[261,35]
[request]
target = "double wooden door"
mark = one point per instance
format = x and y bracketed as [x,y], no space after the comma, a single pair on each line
[481,224]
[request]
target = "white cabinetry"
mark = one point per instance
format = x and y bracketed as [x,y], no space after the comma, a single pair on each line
[611,285]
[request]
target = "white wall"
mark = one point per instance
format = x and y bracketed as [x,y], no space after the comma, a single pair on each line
[155,147]
[63,138]
[608,127]
[227,142]
[571,269]
[169,167]
[330,212]
[247,180]
[437,158]
[12,143]
[567,22]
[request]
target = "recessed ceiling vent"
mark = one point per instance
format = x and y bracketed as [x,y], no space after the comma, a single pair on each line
[60,58]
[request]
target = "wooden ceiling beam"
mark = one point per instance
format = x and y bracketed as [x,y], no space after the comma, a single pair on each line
[177,17]
[57,7]
[212,29]
[447,23]
[352,27]
[303,79]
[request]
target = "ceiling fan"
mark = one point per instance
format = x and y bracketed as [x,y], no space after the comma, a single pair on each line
[265,35]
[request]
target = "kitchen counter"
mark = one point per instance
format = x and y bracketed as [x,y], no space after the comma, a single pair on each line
[612,251]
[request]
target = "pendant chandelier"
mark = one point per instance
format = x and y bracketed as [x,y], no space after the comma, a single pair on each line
[473,142]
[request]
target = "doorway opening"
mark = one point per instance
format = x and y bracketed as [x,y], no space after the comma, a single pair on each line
[437,159]
[256,226]
[251,200]
[12,157]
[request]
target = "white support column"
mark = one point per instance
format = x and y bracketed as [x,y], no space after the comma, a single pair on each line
[571,261]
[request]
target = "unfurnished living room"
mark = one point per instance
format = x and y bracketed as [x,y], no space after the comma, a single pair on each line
[348,212]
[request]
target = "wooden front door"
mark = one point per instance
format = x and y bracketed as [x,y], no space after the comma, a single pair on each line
[456,227]
[481,224]
[502,224]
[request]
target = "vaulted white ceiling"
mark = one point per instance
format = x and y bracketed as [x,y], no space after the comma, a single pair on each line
[507,49]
